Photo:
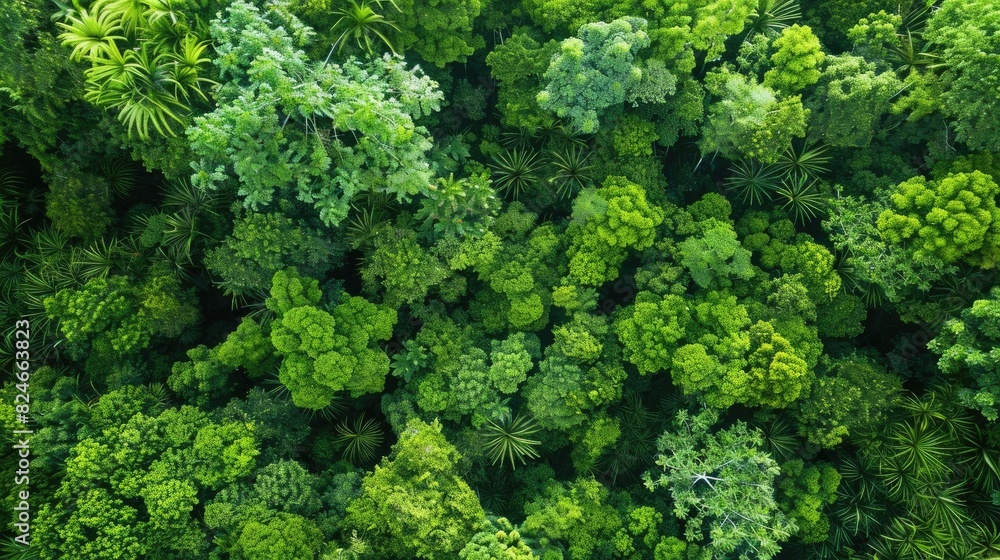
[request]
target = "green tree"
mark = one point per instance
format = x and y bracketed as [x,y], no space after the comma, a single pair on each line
[594,71]
[853,97]
[133,490]
[79,203]
[955,218]
[439,30]
[852,399]
[400,268]
[796,60]
[748,120]
[650,330]
[500,540]
[968,36]
[519,64]
[326,352]
[414,505]
[574,517]
[803,493]
[722,486]
[285,536]
[262,244]
[259,134]
[715,256]
[969,346]
[115,315]
[147,61]
[607,222]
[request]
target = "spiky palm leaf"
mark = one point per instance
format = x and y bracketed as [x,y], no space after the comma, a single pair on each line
[509,439]
[361,439]
[177,260]
[121,175]
[337,407]
[801,198]
[12,231]
[982,461]
[11,270]
[132,14]
[943,506]
[572,170]
[909,58]
[15,192]
[11,184]
[99,259]
[186,63]
[515,172]
[494,490]
[858,516]
[860,472]
[521,138]
[182,195]
[360,22]
[754,181]
[90,33]
[361,227]
[47,244]
[871,295]
[556,134]
[773,15]
[636,443]
[810,161]
[136,84]
[181,232]
[778,439]
[13,550]
[160,395]
[911,538]
[921,451]
[844,268]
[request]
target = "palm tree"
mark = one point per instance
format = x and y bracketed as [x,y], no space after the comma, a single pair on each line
[572,170]
[509,439]
[515,172]
[754,181]
[359,22]
[801,198]
[773,15]
[360,440]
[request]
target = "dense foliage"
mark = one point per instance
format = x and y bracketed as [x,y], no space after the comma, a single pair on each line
[500,279]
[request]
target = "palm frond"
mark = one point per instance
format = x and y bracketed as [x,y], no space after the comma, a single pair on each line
[182,195]
[572,170]
[360,22]
[121,174]
[801,198]
[754,181]
[807,162]
[509,439]
[521,138]
[361,439]
[515,172]
[778,439]
[773,15]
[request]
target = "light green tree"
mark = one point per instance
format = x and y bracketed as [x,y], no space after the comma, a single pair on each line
[796,61]
[953,219]
[608,222]
[968,36]
[722,487]
[749,120]
[414,505]
[283,129]
[594,71]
